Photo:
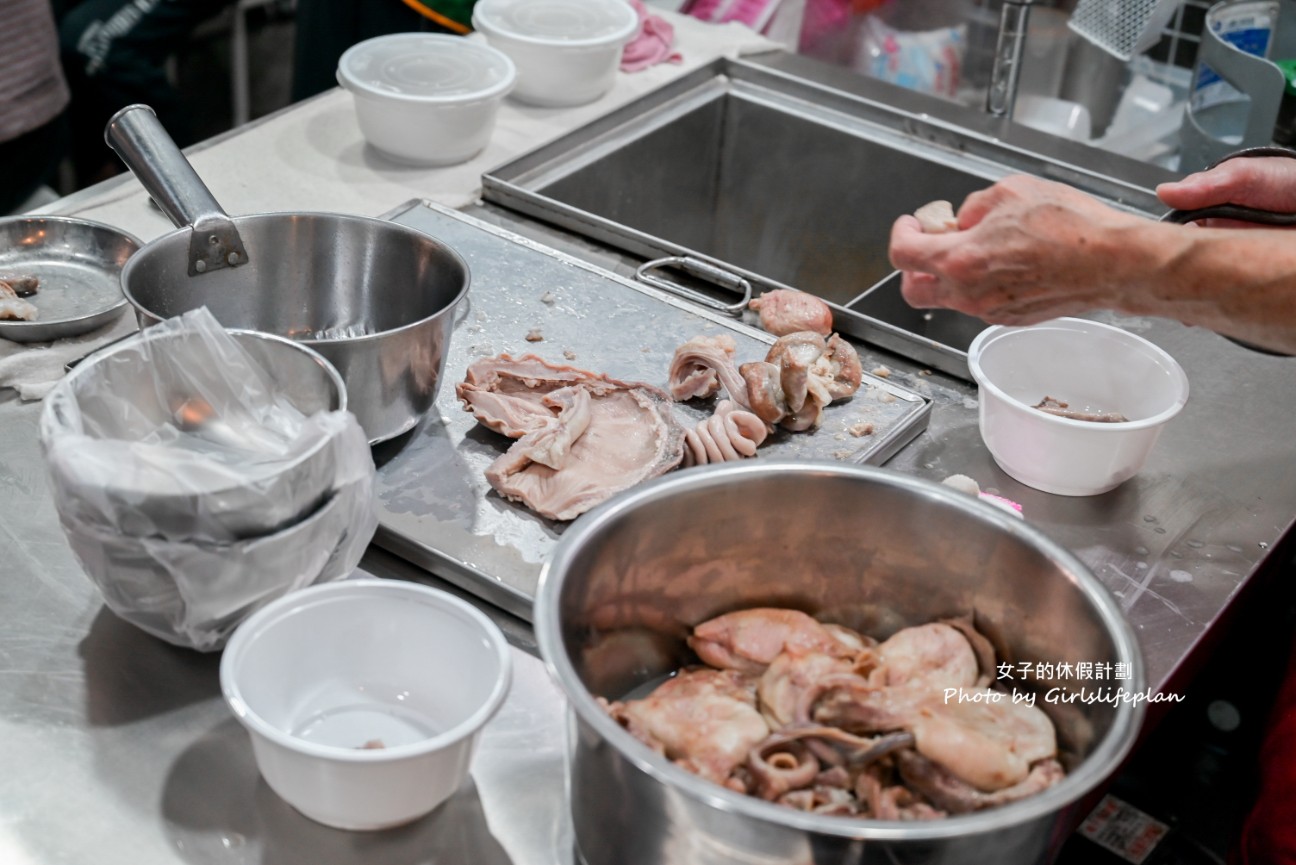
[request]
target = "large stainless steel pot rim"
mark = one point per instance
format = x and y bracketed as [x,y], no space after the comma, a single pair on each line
[1081,779]
[376,298]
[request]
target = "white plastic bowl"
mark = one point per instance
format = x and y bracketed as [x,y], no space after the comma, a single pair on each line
[426,99]
[567,51]
[364,699]
[1091,366]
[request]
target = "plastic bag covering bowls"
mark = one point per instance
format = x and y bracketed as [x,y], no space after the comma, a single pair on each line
[364,699]
[199,474]
[426,99]
[567,51]
[1090,366]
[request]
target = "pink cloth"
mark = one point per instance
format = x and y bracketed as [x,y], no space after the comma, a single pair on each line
[654,44]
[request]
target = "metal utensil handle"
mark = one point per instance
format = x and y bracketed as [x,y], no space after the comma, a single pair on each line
[138,138]
[702,270]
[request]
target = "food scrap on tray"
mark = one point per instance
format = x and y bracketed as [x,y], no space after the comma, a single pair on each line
[12,305]
[821,718]
[23,286]
[581,436]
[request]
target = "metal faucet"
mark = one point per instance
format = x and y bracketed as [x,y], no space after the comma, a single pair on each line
[1009,47]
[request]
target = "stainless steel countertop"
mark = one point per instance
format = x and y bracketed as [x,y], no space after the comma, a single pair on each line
[118,750]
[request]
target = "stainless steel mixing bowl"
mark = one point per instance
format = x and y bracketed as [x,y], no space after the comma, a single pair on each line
[866,547]
[375,298]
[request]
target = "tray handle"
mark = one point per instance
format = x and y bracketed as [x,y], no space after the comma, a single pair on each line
[702,270]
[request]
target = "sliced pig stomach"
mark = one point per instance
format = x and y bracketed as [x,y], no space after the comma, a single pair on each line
[585,437]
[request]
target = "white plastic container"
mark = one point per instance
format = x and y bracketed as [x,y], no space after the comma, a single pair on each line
[426,99]
[567,51]
[1092,367]
[365,698]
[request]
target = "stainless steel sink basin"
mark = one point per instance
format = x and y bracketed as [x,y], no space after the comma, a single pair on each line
[790,174]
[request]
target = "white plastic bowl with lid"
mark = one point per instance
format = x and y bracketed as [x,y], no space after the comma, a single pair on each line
[426,99]
[1093,367]
[567,51]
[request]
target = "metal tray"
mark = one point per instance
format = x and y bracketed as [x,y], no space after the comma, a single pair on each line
[436,509]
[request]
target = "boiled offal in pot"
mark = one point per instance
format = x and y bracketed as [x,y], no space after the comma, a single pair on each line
[821,718]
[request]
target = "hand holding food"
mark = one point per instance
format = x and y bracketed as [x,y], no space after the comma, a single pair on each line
[1030,250]
[1027,252]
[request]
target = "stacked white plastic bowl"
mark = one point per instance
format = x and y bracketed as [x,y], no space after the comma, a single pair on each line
[426,99]
[567,51]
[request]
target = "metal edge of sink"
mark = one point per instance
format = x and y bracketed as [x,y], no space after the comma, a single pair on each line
[941,132]
[1122,181]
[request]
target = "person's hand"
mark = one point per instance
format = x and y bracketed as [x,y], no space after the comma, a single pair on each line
[1264,182]
[1026,250]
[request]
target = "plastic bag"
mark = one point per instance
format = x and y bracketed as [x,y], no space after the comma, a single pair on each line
[192,484]
[929,61]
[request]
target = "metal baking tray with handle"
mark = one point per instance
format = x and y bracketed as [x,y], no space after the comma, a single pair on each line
[436,509]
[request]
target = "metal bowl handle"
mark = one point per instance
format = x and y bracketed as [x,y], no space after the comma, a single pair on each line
[138,138]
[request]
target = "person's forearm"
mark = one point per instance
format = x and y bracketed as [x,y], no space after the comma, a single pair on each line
[1239,283]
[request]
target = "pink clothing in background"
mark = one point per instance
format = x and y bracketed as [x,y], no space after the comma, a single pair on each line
[654,44]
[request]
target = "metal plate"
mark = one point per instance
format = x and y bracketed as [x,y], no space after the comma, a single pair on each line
[434,505]
[78,263]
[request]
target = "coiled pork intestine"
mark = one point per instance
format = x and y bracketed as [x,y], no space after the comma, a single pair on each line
[731,433]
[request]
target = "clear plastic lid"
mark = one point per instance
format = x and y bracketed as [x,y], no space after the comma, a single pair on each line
[565,22]
[426,67]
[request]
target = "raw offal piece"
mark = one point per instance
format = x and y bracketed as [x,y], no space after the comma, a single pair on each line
[965,484]
[801,374]
[783,311]
[582,436]
[937,217]
[23,286]
[729,434]
[1052,406]
[13,307]
[703,365]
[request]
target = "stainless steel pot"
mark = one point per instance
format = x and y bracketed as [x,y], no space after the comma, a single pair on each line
[865,547]
[376,299]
